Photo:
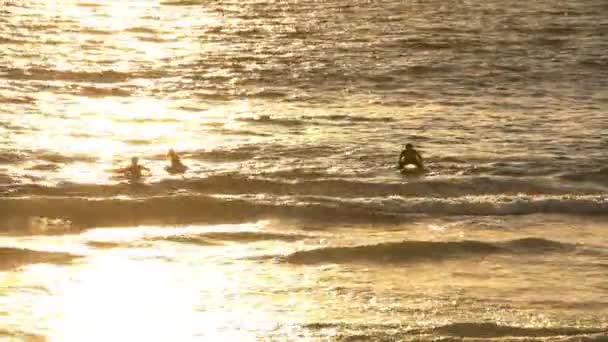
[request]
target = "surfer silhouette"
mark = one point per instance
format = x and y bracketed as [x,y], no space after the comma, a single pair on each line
[176,164]
[133,171]
[408,156]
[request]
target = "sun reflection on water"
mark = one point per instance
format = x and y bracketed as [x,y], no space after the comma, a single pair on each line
[168,293]
[113,299]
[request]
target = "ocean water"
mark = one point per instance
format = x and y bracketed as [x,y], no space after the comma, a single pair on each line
[292,223]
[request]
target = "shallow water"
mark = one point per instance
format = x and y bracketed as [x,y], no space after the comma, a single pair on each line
[490,278]
[291,222]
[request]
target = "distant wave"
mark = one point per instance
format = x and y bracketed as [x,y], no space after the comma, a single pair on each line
[141,29]
[52,157]
[61,158]
[479,331]
[183,2]
[193,240]
[244,236]
[107,244]
[267,120]
[11,157]
[5,40]
[215,238]
[493,330]
[17,100]
[349,118]
[103,92]
[229,131]
[181,209]
[316,120]
[107,76]
[16,257]
[223,155]
[599,176]
[423,250]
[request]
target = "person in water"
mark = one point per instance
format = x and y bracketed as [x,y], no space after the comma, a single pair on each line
[176,164]
[410,156]
[134,171]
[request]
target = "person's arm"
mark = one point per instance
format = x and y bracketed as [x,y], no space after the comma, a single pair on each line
[419,156]
[122,169]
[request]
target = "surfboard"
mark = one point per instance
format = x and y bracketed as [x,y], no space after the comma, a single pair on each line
[174,170]
[411,170]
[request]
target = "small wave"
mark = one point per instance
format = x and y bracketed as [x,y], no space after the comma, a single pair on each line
[15,257]
[175,209]
[267,94]
[155,39]
[599,177]
[44,167]
[267,120]
[348,118]
[141,29]
[103,92]
[217,238]
[222,156]
[477,331]
[89,4]
[183,3]
[17,99]
[421,250]
[4,40]
[36,225]
[64,159]
[106,244]
[307,183]
[50,157]
[192,240]
[536,245]
[244,132]
[493,330]
[98,32]
[11,157]
[252,236]
[82,212]
[300,182]
[107,76]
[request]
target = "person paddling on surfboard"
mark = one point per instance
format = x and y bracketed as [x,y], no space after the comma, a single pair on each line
[410,156]
[133,171]
[176,164]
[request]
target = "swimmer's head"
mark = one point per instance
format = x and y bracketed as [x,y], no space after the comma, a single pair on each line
[134,160]
[408,146]
[171,154]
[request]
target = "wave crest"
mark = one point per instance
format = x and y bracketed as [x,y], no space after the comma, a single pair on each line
[493,330]
[16,257]
[421,250]
[182,209]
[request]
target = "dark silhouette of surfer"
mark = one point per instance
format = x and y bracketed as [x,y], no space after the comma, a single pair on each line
[176,166]
[408,156]
[134,171]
